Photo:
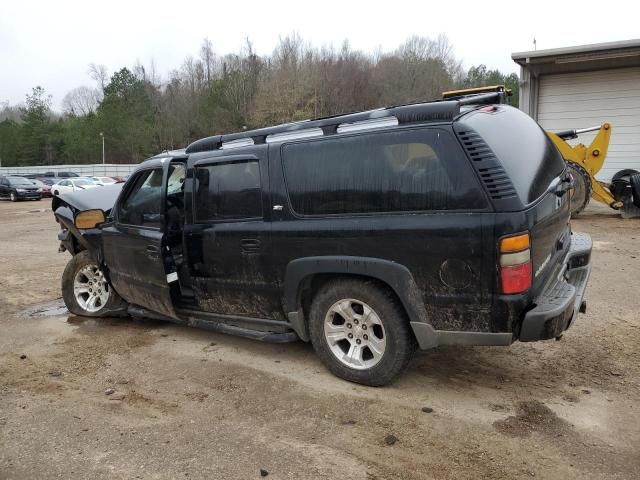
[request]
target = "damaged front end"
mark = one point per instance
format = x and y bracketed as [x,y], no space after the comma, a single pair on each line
[66,207]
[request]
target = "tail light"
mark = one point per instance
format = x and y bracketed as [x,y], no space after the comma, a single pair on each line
[515,263]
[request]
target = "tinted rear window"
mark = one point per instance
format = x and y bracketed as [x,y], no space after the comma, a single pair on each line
[527,154]
[402,171]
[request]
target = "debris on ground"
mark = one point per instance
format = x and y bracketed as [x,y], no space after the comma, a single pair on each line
[390,439]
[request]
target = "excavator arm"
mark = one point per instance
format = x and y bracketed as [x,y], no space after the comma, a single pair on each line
[587,161]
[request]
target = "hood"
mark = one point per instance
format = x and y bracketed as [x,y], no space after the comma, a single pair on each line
[103,198]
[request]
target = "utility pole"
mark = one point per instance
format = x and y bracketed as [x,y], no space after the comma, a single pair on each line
[102,136]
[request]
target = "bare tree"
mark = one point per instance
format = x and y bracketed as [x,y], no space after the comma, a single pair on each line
[99,74]
[81,101]
[208,58]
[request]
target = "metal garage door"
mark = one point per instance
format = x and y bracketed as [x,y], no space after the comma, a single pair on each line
[578,100]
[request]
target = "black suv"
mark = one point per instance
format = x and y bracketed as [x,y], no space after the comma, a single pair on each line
[368,234]
[18,188]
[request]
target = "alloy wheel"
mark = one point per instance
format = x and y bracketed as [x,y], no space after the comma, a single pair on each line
[355,334]
[91,289]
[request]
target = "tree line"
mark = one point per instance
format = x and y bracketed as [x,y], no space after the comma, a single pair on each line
[141,114]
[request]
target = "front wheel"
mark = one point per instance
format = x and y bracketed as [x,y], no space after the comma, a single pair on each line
[13,197]
[86,291]
[360,332]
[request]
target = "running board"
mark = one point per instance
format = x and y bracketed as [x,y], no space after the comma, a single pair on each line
[218,323]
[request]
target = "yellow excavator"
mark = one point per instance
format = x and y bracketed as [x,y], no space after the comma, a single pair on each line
[584,162]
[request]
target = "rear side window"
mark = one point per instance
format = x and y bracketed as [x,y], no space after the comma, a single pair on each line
[404,171]
[228,191]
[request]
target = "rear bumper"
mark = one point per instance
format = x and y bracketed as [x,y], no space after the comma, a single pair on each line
[558,305]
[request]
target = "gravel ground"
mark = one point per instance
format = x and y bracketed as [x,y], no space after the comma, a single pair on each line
[187,403]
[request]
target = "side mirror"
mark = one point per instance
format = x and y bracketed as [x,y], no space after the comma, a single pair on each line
[89,218]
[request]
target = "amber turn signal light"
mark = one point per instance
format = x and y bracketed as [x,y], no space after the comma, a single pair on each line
[515,243]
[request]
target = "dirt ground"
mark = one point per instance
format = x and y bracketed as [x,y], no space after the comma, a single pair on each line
[193,404]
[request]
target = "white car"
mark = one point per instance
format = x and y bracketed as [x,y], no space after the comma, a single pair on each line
[69,185]
[103,180]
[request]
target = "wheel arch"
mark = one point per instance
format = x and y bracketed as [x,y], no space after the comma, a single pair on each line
[302,273]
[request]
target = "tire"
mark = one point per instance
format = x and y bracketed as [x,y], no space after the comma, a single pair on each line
[627,172]
[82,271]
[361,303]
[581,189]
[13,197]
[635,188]
[56,193]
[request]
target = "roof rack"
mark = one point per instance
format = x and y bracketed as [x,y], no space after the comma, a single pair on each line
[444,110]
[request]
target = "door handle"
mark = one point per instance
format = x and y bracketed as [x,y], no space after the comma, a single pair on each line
[152,251]
[250,245]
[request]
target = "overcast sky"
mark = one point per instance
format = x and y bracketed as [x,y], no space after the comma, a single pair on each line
[51,43]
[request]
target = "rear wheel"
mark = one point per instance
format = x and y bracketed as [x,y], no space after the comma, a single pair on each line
[635,188]
[627,172]
[580,193]
[86,291]
[360,332]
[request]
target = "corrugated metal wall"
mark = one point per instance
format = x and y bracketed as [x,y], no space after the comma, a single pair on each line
[578,100]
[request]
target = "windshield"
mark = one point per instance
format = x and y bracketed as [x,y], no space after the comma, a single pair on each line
[20,181]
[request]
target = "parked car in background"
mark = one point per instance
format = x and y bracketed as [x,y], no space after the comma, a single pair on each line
[48,180]
[71,185]
[44,188]
[60,174]
[103,180]
[120,179]
[18,188]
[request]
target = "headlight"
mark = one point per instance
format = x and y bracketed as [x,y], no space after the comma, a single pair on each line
[20,190]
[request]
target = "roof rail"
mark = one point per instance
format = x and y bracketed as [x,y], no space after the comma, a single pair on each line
[479,95]
[238,143]
[424,112]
